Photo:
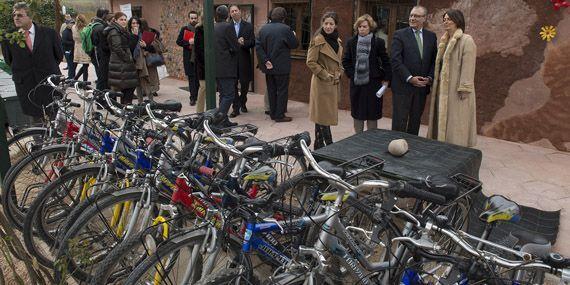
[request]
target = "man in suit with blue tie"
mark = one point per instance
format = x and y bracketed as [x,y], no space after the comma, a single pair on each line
[413,53]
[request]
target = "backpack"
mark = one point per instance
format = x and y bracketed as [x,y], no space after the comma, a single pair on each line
[85,34]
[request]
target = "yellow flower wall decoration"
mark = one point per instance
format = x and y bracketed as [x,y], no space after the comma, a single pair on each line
[547,33]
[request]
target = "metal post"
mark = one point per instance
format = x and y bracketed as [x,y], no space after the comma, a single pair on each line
[209,56]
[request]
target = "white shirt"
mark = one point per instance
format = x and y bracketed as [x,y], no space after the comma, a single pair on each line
[32,33]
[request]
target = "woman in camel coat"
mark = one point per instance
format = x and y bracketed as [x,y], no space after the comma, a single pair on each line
[452,110]
[324,59]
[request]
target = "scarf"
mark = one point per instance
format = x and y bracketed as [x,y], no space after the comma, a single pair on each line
[362,68]
[332,39]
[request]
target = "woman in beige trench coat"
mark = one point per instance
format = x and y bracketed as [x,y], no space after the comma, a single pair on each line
[324,59]
[452,110]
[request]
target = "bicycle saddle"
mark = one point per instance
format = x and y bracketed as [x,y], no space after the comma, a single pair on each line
[252,141]
[331,168]
[499,208]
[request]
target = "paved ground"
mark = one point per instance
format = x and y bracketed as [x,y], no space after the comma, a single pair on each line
[530,175]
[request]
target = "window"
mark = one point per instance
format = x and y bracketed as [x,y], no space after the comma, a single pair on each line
[137,11]
[390,15]
[299,19]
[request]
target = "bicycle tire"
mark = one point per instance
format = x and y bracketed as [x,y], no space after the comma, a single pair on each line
[173,246]
[17,144]
[10,201]
[36,228]
[107,271]
[94,214]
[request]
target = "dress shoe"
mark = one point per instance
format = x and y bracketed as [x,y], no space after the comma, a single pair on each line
[234,114]
[244,109]
[267,113]
[284,119]
[192,102]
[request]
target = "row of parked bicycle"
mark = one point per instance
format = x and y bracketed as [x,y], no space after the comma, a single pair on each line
[113,194]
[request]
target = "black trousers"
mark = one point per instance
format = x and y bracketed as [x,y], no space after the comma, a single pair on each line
[241,98]
[226,87]
[407,112]
[193,83]
[278,94]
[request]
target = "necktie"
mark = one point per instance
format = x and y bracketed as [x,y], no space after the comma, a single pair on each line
[28,41]
[420,45]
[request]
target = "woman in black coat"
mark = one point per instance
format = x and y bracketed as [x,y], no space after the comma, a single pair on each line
[123,75]
[367,65]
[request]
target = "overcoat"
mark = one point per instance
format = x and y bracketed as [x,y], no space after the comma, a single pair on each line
[326,65]
[30,68]
[451,119]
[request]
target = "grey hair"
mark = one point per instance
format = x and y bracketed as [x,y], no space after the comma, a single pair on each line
[421,7]
[22,6]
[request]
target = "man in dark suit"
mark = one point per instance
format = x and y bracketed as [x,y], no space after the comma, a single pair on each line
[187,47]
[413,55]
[273,46]
[246,41]
[226,47]
[37,59]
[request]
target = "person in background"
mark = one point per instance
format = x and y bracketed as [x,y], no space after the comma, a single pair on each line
[68,46]
[100,54]
[226,48]
[187,49]
[246,41]
[79,55]
[123,75]
[143,54]
[200,65]
[273,46]
[324,59]
[31,64]
[413,54]
[452,108]
[367,65]
[61,30]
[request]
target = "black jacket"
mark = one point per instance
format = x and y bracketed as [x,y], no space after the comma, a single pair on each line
[186,49]
[30,68]
[199,60]
[406,60]
[67,40]
[274,43]
[379,63]
[226,47]
[122,70]
[99,40]
[245,65]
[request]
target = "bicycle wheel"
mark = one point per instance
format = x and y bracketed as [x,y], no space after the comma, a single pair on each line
[48,212]
[102,227]
[169,264]
[25,142]
[121,261]
[30,175]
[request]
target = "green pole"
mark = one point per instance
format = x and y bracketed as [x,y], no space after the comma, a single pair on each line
[209,56]
[4,152]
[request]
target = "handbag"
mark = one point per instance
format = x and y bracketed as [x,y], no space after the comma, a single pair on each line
[154,60]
